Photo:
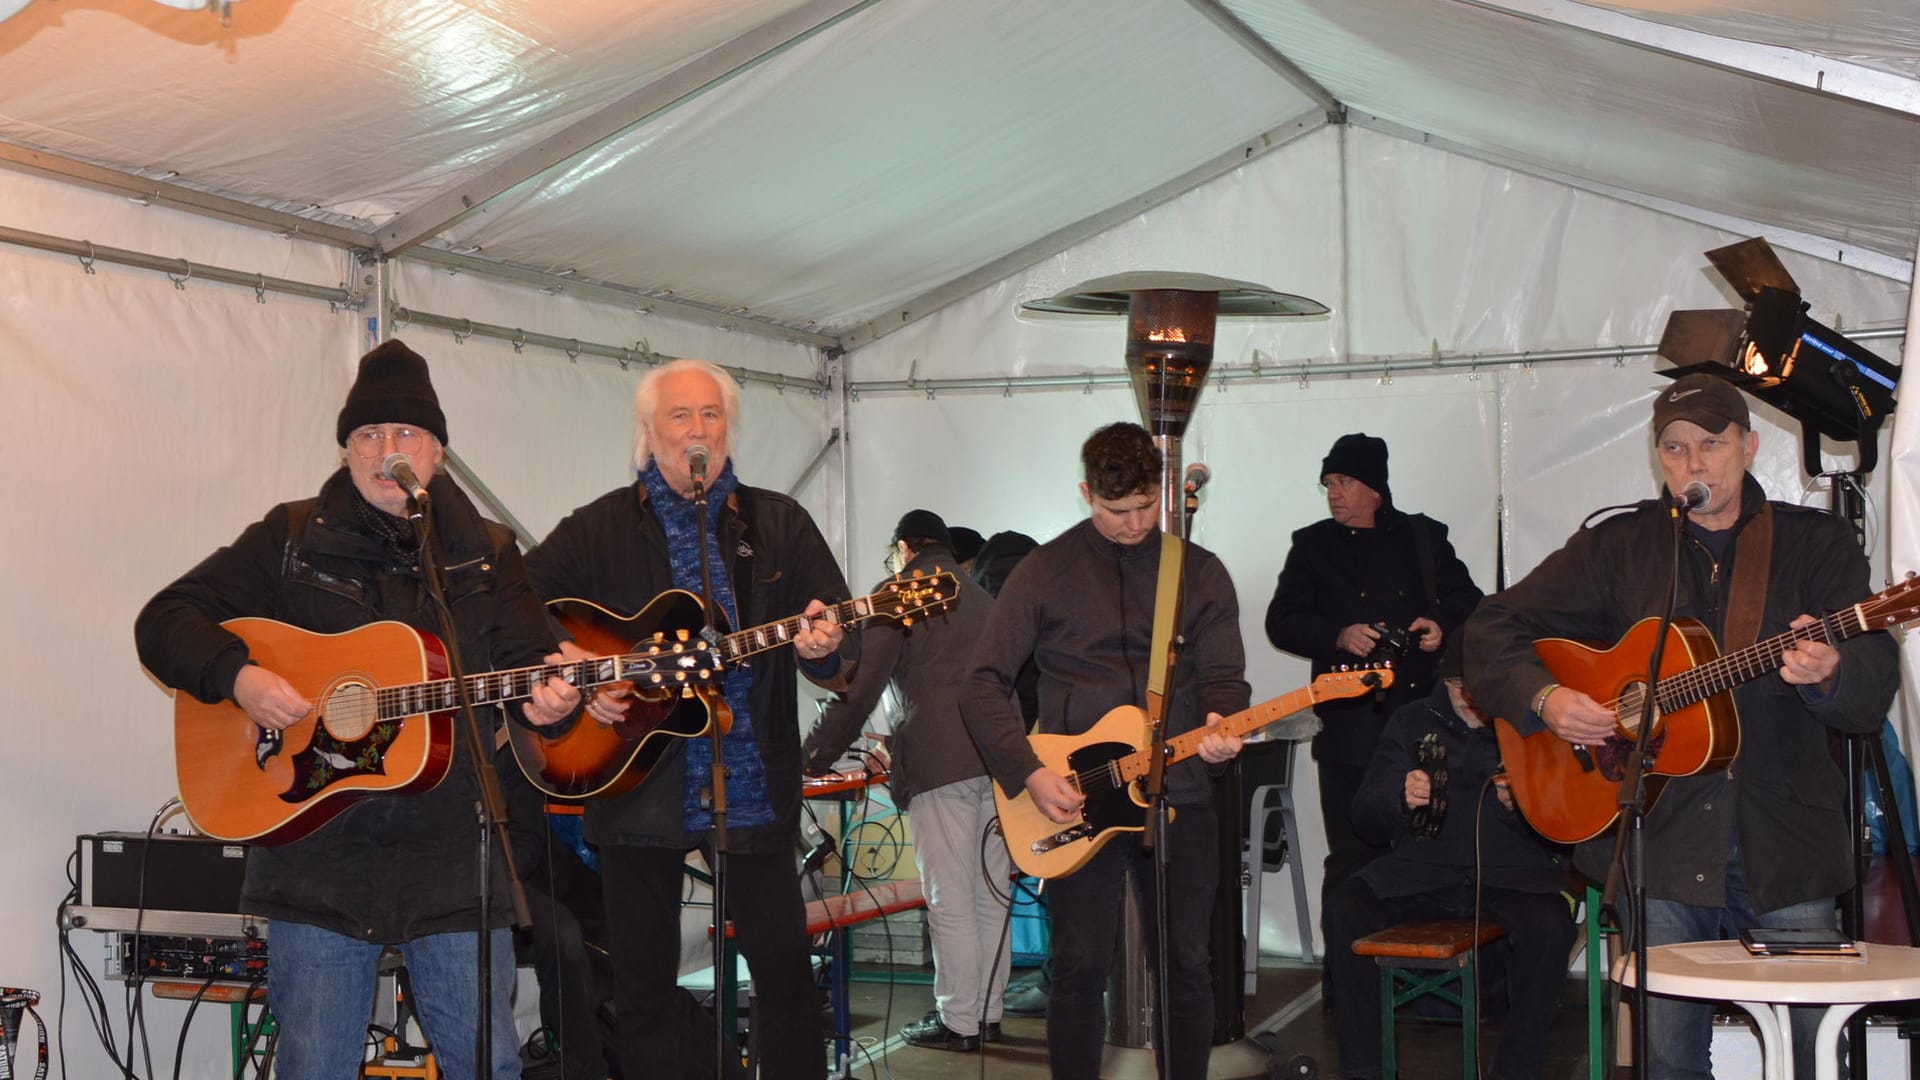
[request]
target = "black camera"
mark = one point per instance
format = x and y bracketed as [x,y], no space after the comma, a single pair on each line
[1393,643]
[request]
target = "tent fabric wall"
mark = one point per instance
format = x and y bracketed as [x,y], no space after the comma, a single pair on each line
[1440,253]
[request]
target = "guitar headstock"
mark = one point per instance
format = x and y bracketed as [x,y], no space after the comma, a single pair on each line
[908,597]
[1352,682]
[1892,606]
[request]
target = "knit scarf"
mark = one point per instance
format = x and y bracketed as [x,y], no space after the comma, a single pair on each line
[747,800]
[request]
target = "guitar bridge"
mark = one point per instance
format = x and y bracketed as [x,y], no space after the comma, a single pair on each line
[1060,839]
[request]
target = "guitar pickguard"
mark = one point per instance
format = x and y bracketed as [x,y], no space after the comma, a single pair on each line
[327,760]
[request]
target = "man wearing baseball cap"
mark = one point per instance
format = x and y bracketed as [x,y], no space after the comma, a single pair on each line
[1763,842]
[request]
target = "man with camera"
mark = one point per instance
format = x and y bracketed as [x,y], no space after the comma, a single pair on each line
[1369,582]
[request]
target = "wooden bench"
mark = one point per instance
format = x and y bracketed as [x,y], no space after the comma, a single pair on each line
[1448,947]
[838,913]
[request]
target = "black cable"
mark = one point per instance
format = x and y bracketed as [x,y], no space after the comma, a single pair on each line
[253,1031]
[180,1047]
[987,834]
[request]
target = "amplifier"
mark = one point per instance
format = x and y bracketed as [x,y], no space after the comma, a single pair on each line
[181,873]
[162,956]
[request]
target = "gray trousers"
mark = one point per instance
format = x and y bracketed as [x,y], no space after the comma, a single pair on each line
[966,917]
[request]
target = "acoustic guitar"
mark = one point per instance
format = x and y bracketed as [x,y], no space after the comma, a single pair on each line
[382,722]
[1570,793]
[591,759]
[1107,761]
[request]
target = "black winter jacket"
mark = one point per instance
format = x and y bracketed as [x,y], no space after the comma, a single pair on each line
[390,868]
[613,552]
[1336,576]
[1783,792]
[1081,606]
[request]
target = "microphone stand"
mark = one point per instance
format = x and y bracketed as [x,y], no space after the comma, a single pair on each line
[1632,803]
[717,785]
[491,809]
[1153,841]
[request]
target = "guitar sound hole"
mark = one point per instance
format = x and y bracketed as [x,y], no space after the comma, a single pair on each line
[1626,710]
[350,712]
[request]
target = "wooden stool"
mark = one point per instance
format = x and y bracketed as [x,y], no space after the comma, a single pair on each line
[1449,947]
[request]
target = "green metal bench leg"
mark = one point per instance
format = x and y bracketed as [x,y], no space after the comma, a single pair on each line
[1596,1001]
[1469,1018]
[1389,1056]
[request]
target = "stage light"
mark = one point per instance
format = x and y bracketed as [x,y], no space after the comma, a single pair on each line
[1775,352]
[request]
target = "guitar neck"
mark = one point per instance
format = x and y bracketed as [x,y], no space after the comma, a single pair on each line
[493,687]
[1185,745]
[767,636]
[1761,658]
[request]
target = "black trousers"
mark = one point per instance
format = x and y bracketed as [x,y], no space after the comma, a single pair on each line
[1085,913]
[1540,930]
[643,889]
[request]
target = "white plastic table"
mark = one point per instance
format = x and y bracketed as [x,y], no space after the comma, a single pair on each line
[1766,986]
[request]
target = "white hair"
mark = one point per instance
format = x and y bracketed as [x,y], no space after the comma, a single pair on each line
[646,397]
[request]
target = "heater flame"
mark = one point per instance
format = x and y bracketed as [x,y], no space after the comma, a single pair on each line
[1176,333]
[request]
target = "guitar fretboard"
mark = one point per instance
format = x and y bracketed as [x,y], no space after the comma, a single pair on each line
[493,687]
[1744,665]
[1186,744]
[911,596]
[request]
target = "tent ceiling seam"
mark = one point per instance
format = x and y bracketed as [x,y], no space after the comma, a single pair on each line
[640,300]
[574,348]
[1302,371]
[178,197]
[1059,240]
[1824,75]
[662,95]
[1269,54]
[181,271]
[1819,247]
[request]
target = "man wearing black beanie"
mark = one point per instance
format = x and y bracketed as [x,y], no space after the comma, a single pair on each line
[394,869]
[1350,581]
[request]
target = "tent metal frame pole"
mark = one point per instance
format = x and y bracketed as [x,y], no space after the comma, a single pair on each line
[1274,371]
[640,300]
[1795,68]
[181,271]
[664,94]
[1820,247]
[1264,51]
[574,348]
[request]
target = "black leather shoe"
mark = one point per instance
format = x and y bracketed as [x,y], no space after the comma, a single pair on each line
[990,1032]
[931,1033]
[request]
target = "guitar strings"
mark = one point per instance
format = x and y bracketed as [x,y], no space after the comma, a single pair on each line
[1757,659]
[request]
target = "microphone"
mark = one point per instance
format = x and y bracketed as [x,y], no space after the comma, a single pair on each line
[1693,496]
[1197,477]
[697,463]
[398,469]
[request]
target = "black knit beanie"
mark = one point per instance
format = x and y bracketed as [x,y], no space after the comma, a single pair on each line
[1362,457]
[392,388]
[923,525]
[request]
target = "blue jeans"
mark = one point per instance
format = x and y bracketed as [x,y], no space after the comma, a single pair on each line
[1680,1030]
[320,986]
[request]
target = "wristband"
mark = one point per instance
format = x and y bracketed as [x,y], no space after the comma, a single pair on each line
[1540,703]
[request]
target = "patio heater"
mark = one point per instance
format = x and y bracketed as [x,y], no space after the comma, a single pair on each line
[1170,329]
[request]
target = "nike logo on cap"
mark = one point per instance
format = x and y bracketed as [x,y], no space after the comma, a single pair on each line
[1678,394]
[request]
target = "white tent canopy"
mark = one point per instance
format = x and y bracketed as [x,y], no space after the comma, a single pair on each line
[204,223]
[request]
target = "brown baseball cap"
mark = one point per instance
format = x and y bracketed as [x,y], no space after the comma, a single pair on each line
[1707,400]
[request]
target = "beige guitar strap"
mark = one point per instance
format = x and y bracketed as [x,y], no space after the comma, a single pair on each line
[1172,552]
[1749,591]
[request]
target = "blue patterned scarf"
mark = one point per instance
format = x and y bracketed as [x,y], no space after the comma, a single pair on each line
[747,800]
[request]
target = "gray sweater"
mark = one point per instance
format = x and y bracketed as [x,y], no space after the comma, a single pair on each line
[925,664]
[1082,607]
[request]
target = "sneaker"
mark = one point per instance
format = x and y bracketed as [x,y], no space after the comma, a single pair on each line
[931,1033]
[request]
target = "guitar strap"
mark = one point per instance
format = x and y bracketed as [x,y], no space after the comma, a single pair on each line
[1748,599]
[1172,553]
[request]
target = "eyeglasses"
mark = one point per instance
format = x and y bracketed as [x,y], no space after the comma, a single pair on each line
[1336,480]
[892,560]
[369,441]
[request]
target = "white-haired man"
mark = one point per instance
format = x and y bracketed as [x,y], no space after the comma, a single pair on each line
[768,562]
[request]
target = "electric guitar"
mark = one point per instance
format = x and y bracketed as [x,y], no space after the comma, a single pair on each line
[1107,761]
[1569,793]
[382,722]
[592,759]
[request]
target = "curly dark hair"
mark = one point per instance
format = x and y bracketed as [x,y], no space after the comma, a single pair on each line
[1119,460]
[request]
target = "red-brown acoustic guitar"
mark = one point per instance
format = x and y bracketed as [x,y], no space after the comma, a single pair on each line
[1569,793]
[382,722]
[590,759]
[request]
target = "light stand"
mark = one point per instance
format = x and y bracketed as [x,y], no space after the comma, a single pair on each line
[492,806]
